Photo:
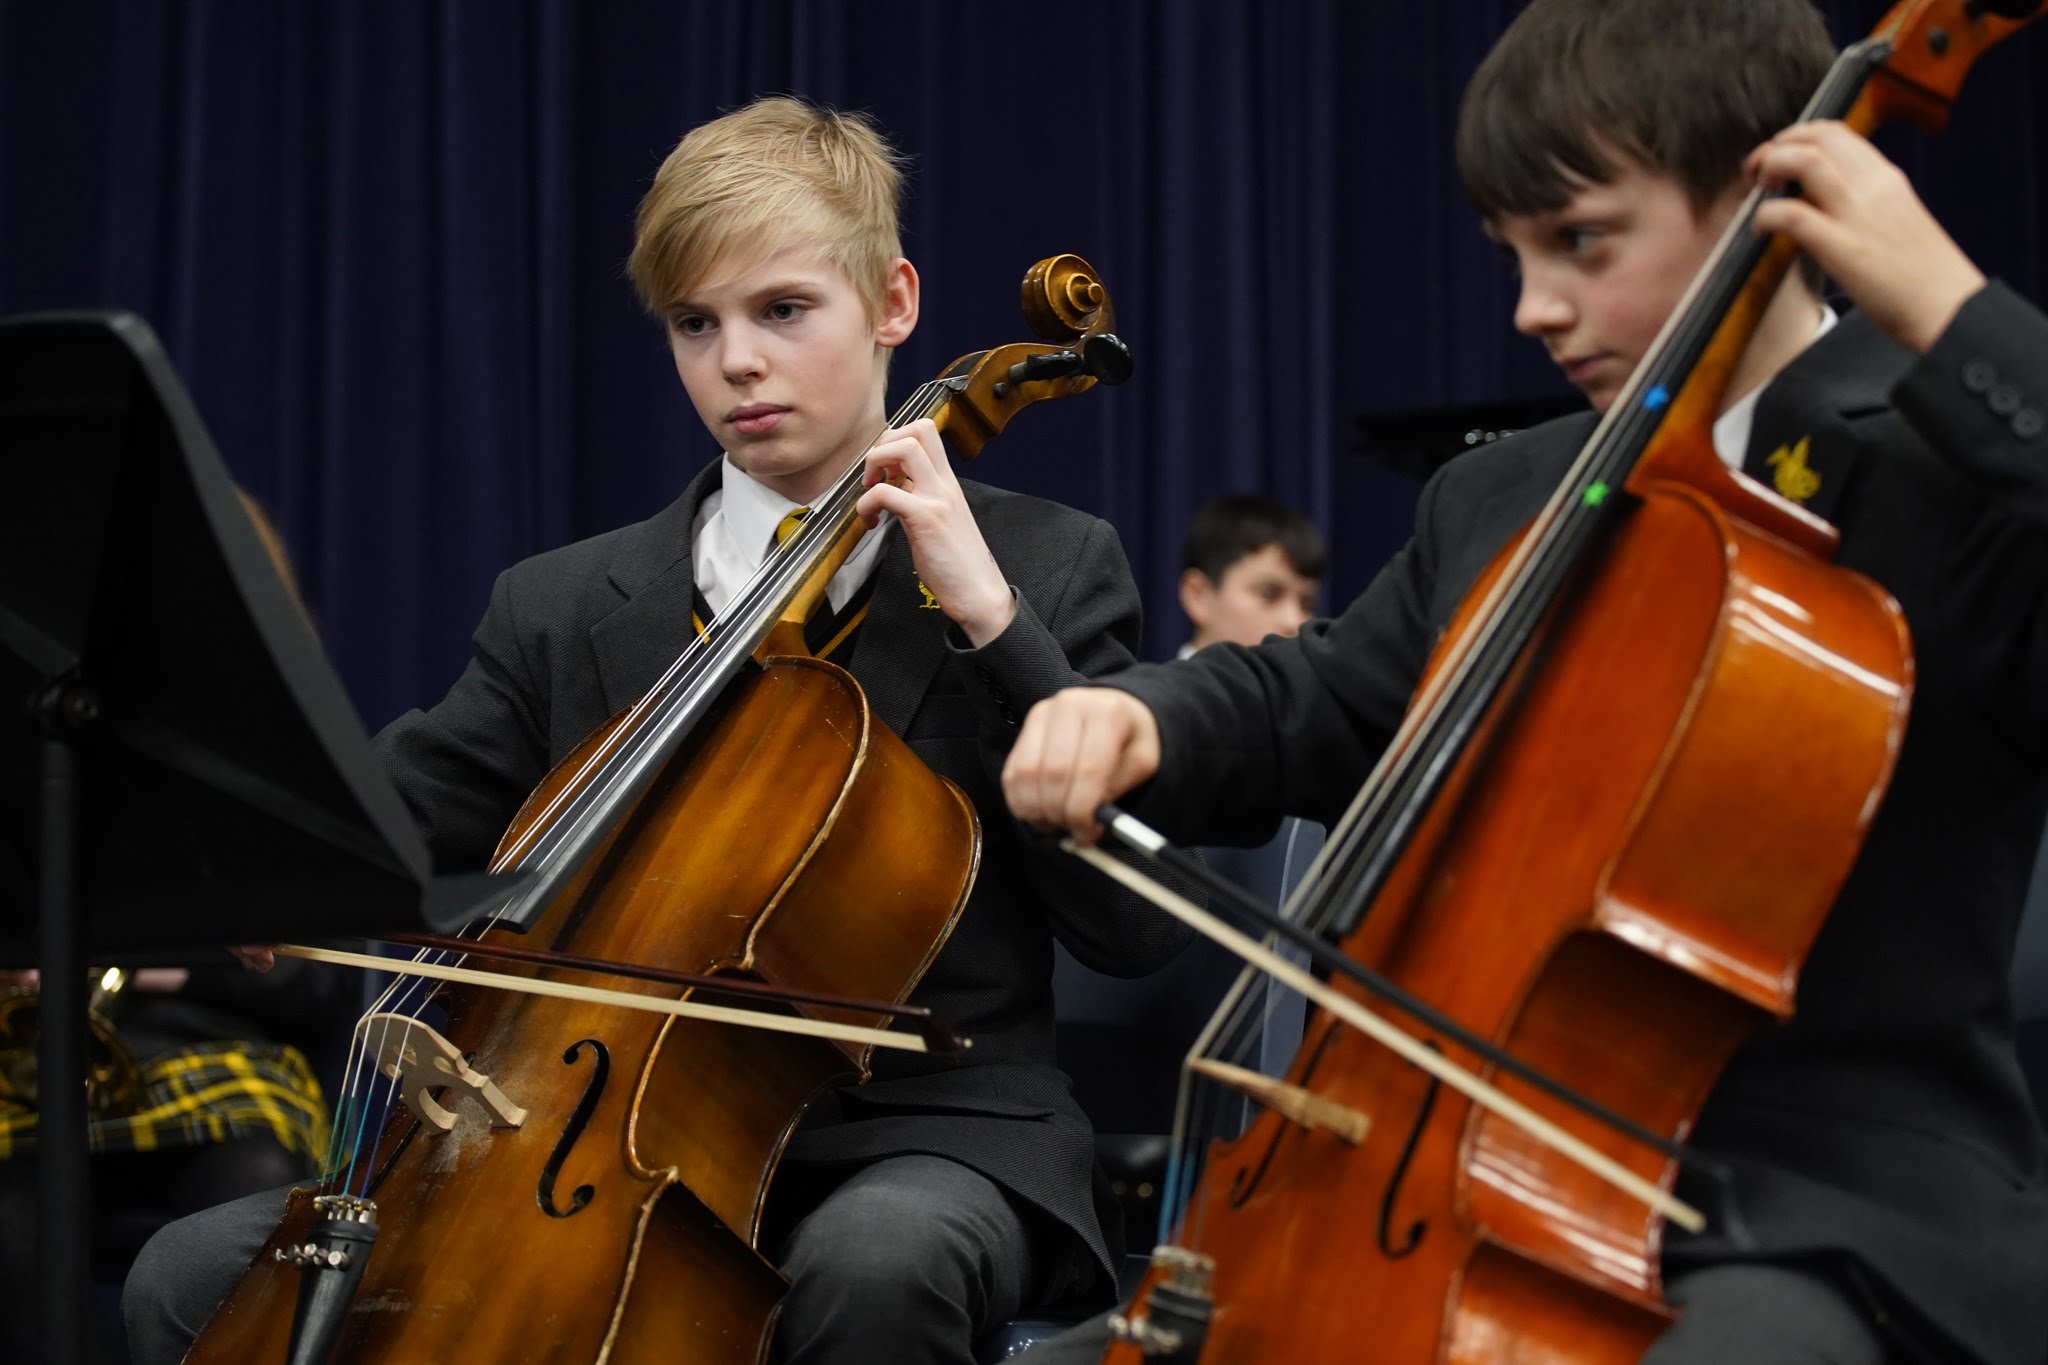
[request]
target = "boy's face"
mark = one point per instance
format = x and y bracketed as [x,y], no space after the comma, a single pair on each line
[1600,275]
[1261,594]
[784,366]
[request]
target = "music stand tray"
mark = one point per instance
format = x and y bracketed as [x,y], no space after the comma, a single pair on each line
[179,766]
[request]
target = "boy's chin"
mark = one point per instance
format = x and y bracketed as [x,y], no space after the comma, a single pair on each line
[772,460]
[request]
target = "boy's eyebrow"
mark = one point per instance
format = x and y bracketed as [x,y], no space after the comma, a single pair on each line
[795,284]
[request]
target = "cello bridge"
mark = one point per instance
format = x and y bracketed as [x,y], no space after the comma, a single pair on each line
[421,1061]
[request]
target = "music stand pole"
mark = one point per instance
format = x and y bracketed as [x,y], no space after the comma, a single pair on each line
[64,1190]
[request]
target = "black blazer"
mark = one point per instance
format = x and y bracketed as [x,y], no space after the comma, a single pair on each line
[1889,1119]
[574,635]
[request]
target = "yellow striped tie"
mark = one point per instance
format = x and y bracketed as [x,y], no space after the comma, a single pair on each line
[787,527]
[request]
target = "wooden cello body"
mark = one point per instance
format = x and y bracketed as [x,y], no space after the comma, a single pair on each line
[1551,903]
[617,1220]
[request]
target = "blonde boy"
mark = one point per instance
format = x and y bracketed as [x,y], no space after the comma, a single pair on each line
[915,1212]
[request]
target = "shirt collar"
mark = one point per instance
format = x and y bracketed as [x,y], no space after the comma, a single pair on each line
[1732,428]
[752,510]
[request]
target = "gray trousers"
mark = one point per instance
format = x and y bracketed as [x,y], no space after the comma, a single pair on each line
[909,1260]
[1728,1315]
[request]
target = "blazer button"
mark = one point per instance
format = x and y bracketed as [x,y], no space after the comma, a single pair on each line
[2027,423]
[2004,400]
[1979,376]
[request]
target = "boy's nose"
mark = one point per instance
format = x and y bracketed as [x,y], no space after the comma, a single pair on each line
[739,358]
[1541,310]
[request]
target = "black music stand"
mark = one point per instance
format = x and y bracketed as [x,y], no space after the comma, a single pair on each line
[179,766]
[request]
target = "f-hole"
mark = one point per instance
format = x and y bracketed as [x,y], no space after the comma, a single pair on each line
[1420,1225]
[1244,1182]
[573,1129]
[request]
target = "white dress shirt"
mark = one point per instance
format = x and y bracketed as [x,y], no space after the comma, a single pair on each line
[735,530]
[1732,428]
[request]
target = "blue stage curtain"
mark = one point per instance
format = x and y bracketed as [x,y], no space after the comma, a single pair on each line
[384,244]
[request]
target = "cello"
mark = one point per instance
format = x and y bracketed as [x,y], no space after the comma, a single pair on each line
[1572,876]
[577,1177]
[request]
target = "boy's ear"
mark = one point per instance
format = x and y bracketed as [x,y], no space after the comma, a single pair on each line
[898,316]
[1197,594]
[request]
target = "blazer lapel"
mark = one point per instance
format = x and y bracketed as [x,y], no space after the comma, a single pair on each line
[1804,443]
[656,572]
[902,642]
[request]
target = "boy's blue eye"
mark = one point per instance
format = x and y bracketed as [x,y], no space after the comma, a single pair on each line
[689,324]
[1576,239]
[785,312]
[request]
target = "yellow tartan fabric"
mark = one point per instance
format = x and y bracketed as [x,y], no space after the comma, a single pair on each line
[212,1092]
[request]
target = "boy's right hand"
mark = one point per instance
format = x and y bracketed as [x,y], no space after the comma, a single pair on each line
[1857,216]
[1079,748]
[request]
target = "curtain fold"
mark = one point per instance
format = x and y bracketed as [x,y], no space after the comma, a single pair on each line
[384,242]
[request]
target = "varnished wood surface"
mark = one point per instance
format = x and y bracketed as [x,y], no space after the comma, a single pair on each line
[1618,887]
[798,840]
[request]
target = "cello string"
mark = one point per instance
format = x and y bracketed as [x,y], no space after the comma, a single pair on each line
[364,1129]
[790,562]
[603,763]
[783,570]
[1531,583]
[1230,1033]
[1236,1032]
[1568,522]
[558,822]
[350,1095]
[351,1073]
[1473,1084]
[390,1002]
[780,575]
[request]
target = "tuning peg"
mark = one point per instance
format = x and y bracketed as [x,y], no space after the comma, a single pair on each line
[1108,359]
[1047,365]
[1103,356]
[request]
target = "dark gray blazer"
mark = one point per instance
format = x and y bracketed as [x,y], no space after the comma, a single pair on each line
[1889,1120]
[574,635]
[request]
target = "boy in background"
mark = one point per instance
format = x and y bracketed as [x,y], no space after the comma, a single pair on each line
[1250,567]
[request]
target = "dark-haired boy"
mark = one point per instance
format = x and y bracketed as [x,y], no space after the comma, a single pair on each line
[1886,1159]
[1250,567]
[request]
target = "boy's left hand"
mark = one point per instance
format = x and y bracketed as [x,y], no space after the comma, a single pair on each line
[909,475]
[1859,218]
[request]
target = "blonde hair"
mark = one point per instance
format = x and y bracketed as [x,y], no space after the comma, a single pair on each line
[776,170]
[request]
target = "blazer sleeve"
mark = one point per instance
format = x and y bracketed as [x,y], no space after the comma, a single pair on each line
[1082,627]
[465,766]
[1293,726]
[1979,397]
